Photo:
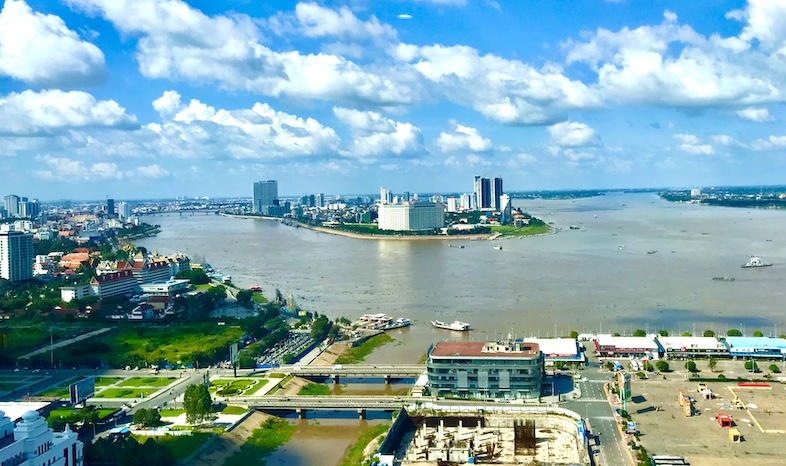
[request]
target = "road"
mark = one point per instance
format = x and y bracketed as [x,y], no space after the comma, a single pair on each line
[63,343]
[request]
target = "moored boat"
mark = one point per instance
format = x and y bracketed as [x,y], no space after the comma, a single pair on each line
[754,262]
[456,325]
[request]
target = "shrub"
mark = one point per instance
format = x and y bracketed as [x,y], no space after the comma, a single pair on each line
[751,366]
[662,366]
[691,366]
[774,368]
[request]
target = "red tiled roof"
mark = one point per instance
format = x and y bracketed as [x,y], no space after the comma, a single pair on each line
[113,277]
[475,349]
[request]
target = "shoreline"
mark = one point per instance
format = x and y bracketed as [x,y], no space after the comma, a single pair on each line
[348,234]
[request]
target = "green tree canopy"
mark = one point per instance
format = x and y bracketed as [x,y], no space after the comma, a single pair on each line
[662,366]
[574,334]
[709,333]
[691,366]
[758,333]
[639,333]
[148,417]
[198,404]
[663,333]
[733,332]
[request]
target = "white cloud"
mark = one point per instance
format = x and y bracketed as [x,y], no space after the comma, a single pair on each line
[463,138]
[766,23]
[573,134]
[318,21]
[154,171]
[507,91]
[404,16]
[772,142]
[52,111]
[691,144]
[39,49]
[444,2]
[364,121]
[687,138]
[379,137]
[755,114]
[72,171]
[475,159]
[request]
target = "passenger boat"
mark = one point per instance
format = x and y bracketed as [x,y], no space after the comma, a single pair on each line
[755,262]
[456,325]
[498,247]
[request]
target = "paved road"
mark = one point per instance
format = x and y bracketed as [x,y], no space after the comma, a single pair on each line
[63,343]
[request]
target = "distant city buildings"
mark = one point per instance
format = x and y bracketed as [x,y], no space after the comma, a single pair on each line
[265,199]
[487,193]
[17,255]
[124,211]
[411,215]
[385,196]
[695,192]
[21,207]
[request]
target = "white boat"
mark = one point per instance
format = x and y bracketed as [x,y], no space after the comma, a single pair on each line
[755,262]
[456,325]
[498,247]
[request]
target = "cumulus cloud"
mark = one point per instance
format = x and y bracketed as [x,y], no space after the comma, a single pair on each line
[507,91]
[672,64]
[53,111]
[474,159]
[772,142]
[691,144]
[73,171]
[39,49]
[377,137]
[180,42]
[463,138]
[755,114]
[318,21]
[573,134]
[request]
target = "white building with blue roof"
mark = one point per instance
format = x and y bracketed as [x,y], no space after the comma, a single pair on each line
[756,347]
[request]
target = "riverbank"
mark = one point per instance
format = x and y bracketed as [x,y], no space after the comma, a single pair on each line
[333,231]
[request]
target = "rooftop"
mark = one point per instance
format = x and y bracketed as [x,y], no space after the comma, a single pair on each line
[691,343]
[756,342]
[485,350]
[555,346]
[627,342]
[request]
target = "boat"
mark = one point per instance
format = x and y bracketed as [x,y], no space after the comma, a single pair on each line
[456,325]
[652,251]
[498,247]
[754,262]
[723,279]
[398,323]
[455,246]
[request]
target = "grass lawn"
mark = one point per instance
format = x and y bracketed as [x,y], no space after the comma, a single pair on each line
[523,231]
[314,389]
[181,446]
[355,454]
[172,412]
[107,381]
[258,297]
[234,410]
[276,375]
[9,386]
[103,413]
[271,434]
[60,391]
[358,354]
[260,383]
[125,393]
[158,382]
[229,387]
[203,287]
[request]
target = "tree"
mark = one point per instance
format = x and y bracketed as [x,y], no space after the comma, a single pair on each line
[639,333]
[148,417]
[244,297]
[574,334]
[662,366]
[713,362]
[198,404]
[774,368]
[691,366]
[687,334]
[709,333]
[648,367]
[751,366]
[663,333]
[733,332]
[609,366]
[758,333]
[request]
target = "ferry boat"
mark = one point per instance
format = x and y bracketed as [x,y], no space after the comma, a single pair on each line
[456,325]
[455,246]
[755,262]
[381,322]
[398,323]
[652,251]
[723,279]
[498,247]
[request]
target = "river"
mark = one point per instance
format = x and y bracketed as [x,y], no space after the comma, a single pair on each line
[597,278]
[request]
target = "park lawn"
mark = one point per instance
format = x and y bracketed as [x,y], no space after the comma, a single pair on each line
[9,386]
[181,446]
[281,384]
[172,412]
[273,433]
[61,390]
[258,297]
[158,382]
[131,345]
[203,287]
[255,388]
[103,413]
[230,387]
[107,381]
[507,230]
[314,389]
[234,410]
[355,455]
[358,354]
[125,393]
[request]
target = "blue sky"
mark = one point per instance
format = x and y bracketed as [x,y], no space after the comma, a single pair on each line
[159,98]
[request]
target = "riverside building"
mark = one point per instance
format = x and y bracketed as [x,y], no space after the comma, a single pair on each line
[468,369]
[265,196]
[17,255]
[31,442]
[411,216]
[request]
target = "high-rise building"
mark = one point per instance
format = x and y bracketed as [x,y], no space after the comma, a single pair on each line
[468,201]
[385,196]
[265,195]
[452,204]
[487,193]
[29,209]
[319,200]
[17,255]
[124,210]
[12,205]
[411,216]
[110,208]
[505,209]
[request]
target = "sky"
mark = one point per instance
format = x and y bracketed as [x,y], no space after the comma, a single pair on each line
[136,99]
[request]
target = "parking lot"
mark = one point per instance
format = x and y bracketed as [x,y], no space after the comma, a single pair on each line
[665,430]
[293,345]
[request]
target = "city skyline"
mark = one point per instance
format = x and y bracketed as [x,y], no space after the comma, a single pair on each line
[344,97]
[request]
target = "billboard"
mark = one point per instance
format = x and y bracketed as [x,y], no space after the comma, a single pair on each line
[624,385]
[233,350]
[82,390]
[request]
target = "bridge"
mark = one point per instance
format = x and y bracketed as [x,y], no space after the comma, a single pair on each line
[303,403]
[385,371]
